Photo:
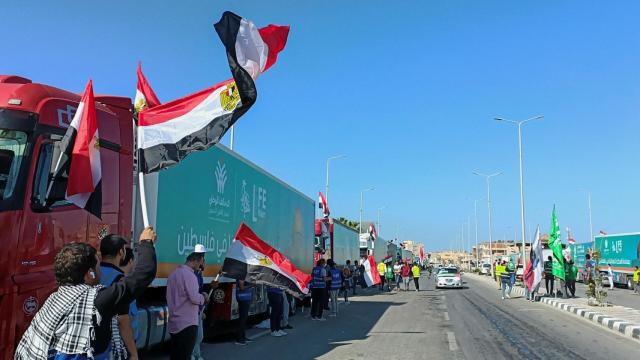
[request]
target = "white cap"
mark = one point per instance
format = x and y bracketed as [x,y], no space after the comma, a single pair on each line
[199,249]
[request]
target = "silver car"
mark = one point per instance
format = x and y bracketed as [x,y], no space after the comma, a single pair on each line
[449,278]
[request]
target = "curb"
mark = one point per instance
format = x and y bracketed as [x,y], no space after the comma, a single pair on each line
[624,327]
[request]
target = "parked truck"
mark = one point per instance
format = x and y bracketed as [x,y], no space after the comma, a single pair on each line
[203,200]
[622,251]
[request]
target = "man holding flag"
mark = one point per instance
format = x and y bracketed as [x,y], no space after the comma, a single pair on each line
[555,244]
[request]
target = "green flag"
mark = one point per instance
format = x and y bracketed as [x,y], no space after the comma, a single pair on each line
[555,244]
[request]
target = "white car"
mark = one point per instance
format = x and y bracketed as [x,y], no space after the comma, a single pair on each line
[485,269]
[449,278]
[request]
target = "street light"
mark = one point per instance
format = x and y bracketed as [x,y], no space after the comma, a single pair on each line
[487,177]
[329,160]
[362,205]
[475,211]
[520,123]
[378,226]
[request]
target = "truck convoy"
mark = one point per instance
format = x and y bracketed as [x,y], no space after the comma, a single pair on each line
[622,251]
[203,200]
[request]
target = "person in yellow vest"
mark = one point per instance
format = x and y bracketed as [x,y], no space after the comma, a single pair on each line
[382,269]
[500,268]
[415,271]
[636,281]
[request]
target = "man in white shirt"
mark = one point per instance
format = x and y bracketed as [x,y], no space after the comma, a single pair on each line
[610,276]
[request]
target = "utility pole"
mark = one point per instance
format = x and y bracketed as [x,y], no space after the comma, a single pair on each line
[520,123]
[488,177]
[326,195]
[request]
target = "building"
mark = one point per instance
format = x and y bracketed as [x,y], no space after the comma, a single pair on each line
[500,248]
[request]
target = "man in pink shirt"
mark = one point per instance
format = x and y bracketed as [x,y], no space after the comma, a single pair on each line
[184,300]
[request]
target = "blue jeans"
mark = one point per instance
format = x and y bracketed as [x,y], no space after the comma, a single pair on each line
[506,285]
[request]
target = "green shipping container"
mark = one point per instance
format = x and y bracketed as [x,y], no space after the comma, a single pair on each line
[205,198]
[622,251]
[345,244]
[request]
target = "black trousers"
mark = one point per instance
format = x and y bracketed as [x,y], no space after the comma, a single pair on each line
[317,302]
[275,301]
[416,281]
[548,283]
[243,315]
[182,343]
[571,287]
[381,282]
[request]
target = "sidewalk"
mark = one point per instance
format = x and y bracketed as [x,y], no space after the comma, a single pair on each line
[624,320]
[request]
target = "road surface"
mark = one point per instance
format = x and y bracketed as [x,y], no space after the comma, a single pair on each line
[471,323]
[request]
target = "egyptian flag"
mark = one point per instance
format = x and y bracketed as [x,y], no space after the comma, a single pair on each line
[532,275]
[371,276]
[372,232]
[145,97]
[322,203]
[79,160]
[253,260]
[168,133]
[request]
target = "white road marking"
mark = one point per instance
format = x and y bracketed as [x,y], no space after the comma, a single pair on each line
[446,316]
[260,334]
[453,346]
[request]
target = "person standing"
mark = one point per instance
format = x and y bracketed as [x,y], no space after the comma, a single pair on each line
[548,275]
[184,301]
[589,269]
[382,269]
[355,276]
[244,295]
[415,271]
[390,277]
[405,271]
[346,282]
[571,273]
[286,309]
[197,354]
[114,256]
[318,279]
[505,280]
[511,270]
[361,270]
[397,273]
[336,282]
[79,301]
[276,303]
[610,276]
[636,281]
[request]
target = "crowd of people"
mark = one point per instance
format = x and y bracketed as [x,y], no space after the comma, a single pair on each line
[505,275]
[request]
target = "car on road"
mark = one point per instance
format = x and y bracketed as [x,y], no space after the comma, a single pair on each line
[519,272]
[485,269]
[449,278]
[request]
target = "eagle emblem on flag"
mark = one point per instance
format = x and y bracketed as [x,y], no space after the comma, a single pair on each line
[230,97]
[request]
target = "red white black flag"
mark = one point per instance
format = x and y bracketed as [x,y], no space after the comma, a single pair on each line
[145,96]
[371,276]
[79,160]
[372,231]
[168,133]
[251,259]
[322,203]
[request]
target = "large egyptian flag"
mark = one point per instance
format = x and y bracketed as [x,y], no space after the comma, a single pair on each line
[79,160]
[169,132]
[371,276]
[145,96]
[253,260]
[532,275]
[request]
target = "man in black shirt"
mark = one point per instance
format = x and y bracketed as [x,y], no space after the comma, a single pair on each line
[63,326]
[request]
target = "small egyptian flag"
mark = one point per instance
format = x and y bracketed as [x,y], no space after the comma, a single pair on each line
[79,160]
[145,96]
[251,259]
[322,204]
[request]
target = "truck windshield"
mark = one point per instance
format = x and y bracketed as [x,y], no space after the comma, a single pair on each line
[13,144]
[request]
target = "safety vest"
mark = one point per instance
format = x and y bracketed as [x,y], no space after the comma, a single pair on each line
[336,279]
[382,268]
[636,275]
[500,269]
[416,271]
[548,266]
[318,280]
[110,275]
[511,267]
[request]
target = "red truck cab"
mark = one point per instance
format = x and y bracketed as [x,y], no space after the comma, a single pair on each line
[33,118]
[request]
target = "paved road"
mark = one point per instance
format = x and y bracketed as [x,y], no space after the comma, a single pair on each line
[472,323]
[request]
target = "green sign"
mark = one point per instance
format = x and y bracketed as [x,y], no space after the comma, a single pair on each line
[205,198]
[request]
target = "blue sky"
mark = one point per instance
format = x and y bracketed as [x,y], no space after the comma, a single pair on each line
[406,89]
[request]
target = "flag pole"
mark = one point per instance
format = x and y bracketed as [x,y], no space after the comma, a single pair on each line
[143,197]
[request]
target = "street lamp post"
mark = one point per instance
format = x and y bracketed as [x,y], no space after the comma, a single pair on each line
[475,211]
[378,225]
[488,177]
[328,161]
[362,206]
[520,123]
[591,224]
